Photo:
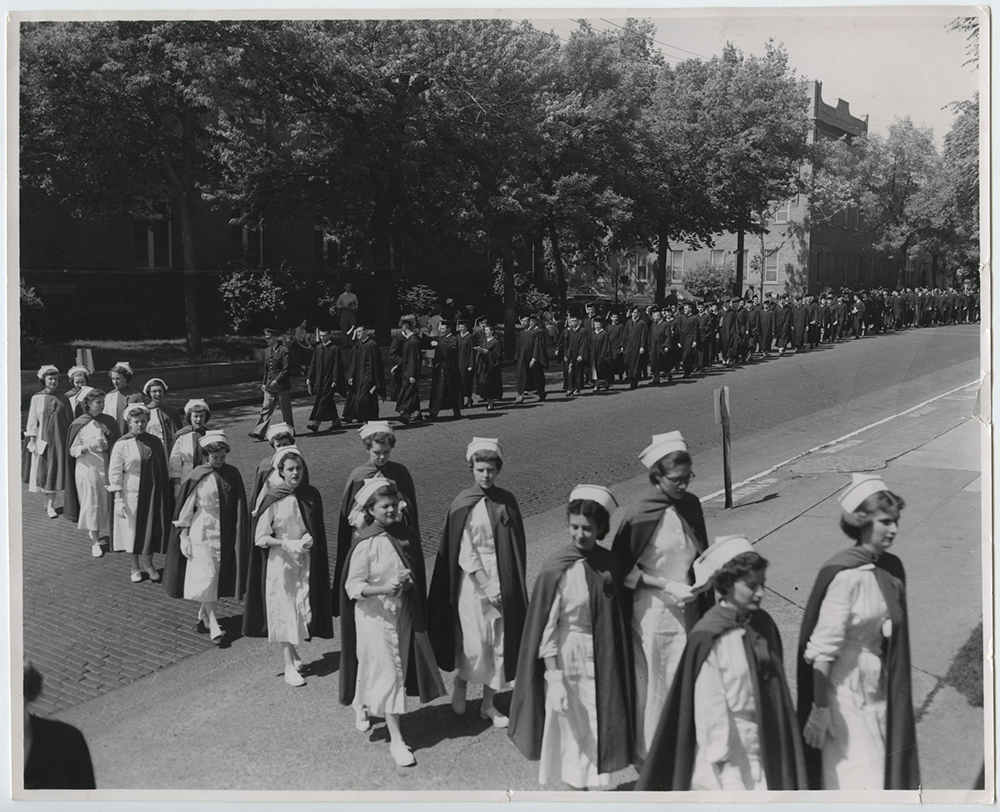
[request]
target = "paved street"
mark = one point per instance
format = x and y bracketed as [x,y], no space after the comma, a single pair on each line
[92,632]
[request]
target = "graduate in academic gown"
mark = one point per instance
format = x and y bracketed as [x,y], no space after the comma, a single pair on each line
[783,324]
[385,650]
[656,544]
[562,352]
[122,394]
[661,340]
[800,323]
[532,358]
[729,722]
[743,327]
[79,376]
[729,333]
[489,367]
[572,704]
[854,690]
[578,350]
[43,460]
[707,325]
[209,547]
[325,380]
[365,378]
[288,577]
[88,446]
[689,335]
[478,597]
[408,400]
[857,315]
[466,360]
[636,348]
[813,317]
[616,337]
[185,452]
[395,364]
[379,441]
[766,322]
[138,478]
[164,420]
[603,355]
[446,381]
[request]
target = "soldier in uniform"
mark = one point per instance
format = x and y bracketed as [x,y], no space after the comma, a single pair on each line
[277,384]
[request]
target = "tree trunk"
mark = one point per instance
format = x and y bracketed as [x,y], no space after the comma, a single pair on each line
[763,265]
[189,254]
[558,261]
[738,283]
[382,262]
[663,246]
[509,306]
[538,257]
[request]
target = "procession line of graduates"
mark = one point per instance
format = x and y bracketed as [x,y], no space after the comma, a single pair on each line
[653,652]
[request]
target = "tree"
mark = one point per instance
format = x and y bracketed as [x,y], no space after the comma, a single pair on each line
[706,281]
[117,114]
[756,111]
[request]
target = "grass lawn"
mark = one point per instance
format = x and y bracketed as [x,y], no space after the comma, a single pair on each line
[142,354]
[966,672]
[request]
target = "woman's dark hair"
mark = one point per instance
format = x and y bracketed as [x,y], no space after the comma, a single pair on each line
[289,456]
[214,448]
[191,411]
[594,511]
[91,395]
[487,456]
[383,437]
[739,567]
[123,372]
[663,467]
[387,491]
[853,524]
[32,682]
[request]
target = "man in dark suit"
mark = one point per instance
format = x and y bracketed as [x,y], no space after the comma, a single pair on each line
[277,384]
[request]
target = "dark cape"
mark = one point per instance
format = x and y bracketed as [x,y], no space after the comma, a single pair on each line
[489,369]
[234,522]
[612,661]
[365,371]
[902,769]
[637,529]
[128,396]
[51,473]
[255,604]
[59,757]
[172,422]
[393,471]
[155,507]
[509,539]
[670,763]
[109,428]
[420,672]
[326,376]
[408,399]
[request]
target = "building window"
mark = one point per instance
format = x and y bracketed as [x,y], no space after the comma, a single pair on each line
[718,258]
[153,238]
[771,267]
[326,247]
[820,266]
[676,262]
[641,267]
[246,242]
[854,218]
[858,269]
[784,212]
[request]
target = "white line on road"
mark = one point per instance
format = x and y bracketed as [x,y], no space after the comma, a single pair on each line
[774,468]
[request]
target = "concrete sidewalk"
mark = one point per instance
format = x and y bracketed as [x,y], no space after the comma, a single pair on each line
[225,720]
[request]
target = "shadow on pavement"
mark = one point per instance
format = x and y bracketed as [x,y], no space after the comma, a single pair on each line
[326,665]
[432,724]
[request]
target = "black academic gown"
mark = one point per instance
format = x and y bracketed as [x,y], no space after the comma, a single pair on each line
[392,471]
[234,515]
[489,369]
[783,324]
[326,376]
[902,767]
[421,675]
[366,372]
[612,661]
[636,339]
[395,364]
[446,379]
[408,400]
[446,581]
[604,359]
[800,318]
[670,762]
[729,336]
[766,323]
[255,604]
[690,340]
[578,346]
[466,363]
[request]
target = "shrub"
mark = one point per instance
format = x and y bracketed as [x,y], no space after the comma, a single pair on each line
[32,312]
[419,300]
[706,281]
[254,300]
[528,298]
